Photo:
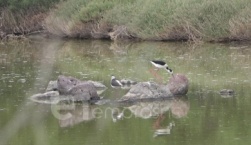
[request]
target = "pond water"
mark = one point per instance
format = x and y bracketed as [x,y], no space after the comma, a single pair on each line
[202,117]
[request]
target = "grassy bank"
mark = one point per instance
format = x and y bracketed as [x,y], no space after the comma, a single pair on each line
[23,16]
[153,20]
[215,20]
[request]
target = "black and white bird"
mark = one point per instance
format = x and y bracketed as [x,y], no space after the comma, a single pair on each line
[115,82]
[159,64]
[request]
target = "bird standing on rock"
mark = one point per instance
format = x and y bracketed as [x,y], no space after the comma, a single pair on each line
[115,82]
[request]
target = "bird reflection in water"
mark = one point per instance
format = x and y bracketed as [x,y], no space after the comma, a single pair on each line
[177,106]
[164,131]
[117,114]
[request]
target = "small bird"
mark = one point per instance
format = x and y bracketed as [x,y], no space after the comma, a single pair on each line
[115,82]
[159,63]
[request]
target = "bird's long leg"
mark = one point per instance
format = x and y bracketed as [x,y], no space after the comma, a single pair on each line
[158,78]
[151,70]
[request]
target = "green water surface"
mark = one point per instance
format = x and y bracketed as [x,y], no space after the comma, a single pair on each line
[201,117]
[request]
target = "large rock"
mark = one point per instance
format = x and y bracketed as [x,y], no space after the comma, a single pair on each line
[65,84]
[70,89]
[178,85]
[80,90]
[147,90]
[84,91]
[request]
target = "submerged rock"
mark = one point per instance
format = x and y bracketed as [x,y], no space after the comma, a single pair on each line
[226,92]
[50,97]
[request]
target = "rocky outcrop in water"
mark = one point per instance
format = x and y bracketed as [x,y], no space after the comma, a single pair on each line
[80,90]
[178,85]
[70,89]
[146,90]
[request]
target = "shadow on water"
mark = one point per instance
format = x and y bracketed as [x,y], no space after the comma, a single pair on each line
[204,117]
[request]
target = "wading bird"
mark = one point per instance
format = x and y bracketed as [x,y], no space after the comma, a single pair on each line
[159,64]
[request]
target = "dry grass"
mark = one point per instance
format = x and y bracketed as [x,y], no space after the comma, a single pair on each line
[21,23]
[240,25]
[193,20]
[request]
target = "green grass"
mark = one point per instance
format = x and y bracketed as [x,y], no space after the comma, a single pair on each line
[149,20]
[164,19]
[21,5]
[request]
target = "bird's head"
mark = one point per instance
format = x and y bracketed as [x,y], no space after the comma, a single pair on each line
[113,77]
[170,71]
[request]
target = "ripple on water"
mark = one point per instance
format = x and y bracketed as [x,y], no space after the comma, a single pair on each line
[22,80]
[2,109]
[234,78]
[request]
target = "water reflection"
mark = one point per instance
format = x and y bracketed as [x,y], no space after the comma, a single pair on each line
[72,114]
[178,105]
[148,110]
[164,131]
